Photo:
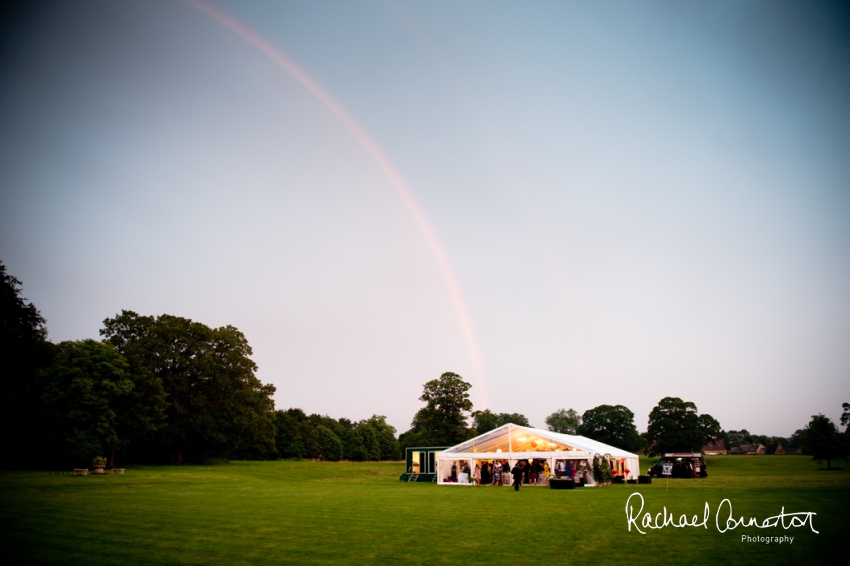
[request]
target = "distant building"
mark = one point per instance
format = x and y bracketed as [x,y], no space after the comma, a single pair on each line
[715,448]
[735,450]
[776,448]
[753,448]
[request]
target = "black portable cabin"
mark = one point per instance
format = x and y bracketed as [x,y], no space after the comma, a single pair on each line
[420,463]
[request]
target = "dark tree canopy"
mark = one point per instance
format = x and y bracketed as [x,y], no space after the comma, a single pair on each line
[330,446]
[515,418]
[20,321]
[822,440]
[739,437]
[156,388]
[385,433]
[369,439]
[23,350]
[96,405]
[611,424]
[486,420]
[216,406]
[675,426]
[295,435]
[564,421]
[845,417]
[359,439]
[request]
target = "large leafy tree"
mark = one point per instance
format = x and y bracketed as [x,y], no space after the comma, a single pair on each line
[385,434]
[443,419]
[95,404]
[515,418]
[845,417]
[486,420]
[295,436]
[611,424]
[216,406]
[352,439]
[676,426]
[370,439]
[359,442]
[738,437]
[564,421]
[822,440]
[289,441]
[330,446]
[23,350]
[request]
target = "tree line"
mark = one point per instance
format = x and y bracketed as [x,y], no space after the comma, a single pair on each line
[317,436]
[448,419]
[154,389]
[675,425]
[169,389]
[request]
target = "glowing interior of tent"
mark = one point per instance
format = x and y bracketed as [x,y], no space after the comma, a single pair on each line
[513,443]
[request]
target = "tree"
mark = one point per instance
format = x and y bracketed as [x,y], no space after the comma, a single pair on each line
[822,440]
[24,349]
[442,421]
[352,441]
[295,436]
[761,439]
[486,420]
[142,413]
[89,398]
[612,425]
[288,440]
[216,407]
[675,426]
[845,417]
[563,421]
[330,446]
[515,418]
[370,440]
[358,454]
[711,429]
[385,433]
[738,437]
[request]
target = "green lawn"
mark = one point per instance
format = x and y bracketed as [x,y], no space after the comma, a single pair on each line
[339,513]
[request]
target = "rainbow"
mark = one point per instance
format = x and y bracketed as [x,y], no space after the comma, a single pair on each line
[380,159]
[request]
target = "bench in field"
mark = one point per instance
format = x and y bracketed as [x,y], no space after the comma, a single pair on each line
[81,471]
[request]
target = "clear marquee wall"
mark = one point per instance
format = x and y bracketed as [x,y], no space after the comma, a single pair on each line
[514,443]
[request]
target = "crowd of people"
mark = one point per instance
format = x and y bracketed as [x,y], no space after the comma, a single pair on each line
[525,472]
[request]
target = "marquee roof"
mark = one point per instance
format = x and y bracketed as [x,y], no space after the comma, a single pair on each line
[515,438]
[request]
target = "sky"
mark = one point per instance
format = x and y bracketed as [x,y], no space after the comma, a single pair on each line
[567,203]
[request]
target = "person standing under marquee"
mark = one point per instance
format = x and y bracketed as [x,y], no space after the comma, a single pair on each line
[517,474]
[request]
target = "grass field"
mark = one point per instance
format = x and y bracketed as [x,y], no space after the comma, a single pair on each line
[342,513]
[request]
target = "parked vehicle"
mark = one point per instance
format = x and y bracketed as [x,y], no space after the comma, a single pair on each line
[681,465]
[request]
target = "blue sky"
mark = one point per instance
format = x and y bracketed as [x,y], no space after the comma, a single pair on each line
[637,200]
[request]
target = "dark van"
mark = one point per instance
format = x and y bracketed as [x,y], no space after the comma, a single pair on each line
[682,465]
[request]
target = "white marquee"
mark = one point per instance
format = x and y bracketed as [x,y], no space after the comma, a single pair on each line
[514,443]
